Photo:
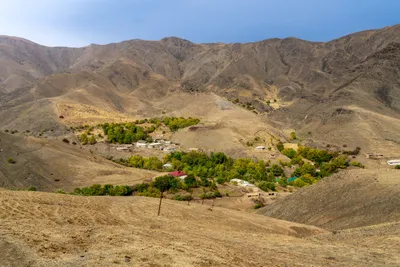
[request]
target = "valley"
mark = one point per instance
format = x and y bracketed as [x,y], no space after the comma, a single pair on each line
[260,153]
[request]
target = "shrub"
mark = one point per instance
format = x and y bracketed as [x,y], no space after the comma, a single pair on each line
[220,180]
[60,191]
[282,182]
[397,167]
[92,140]
[32,188]
[299,183]
[11,161]
[182,198]
[267,186]
[289,152]
[280,146]
[293,136]
[357,164]
[258,205]
[65,140]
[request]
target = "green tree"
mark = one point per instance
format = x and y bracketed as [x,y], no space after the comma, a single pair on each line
[162,183]
[280,146]
[289,152]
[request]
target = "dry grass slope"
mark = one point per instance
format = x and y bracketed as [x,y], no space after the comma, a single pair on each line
[42,229]
[349,199]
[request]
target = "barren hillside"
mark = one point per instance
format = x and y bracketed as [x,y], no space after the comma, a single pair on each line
[311,87]
[350,199]
[51,164]
[42,229]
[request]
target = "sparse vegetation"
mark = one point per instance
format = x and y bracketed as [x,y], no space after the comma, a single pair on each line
[32,188]
[11,161]
[293,136]
[357,164]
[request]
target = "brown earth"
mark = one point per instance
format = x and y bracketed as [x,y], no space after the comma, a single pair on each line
[351,81]
[45,229]
[51,164]
[349,199]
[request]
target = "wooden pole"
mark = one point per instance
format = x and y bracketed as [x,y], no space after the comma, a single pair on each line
[159,206]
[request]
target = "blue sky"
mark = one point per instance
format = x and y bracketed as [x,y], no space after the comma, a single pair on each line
[81,22]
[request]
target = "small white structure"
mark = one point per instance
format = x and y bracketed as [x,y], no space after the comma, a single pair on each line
[167,166]
[141,144]
[154,145]
[260,148]
[393,162]
[123,148]
[242,182]
[167,142]
[170,149]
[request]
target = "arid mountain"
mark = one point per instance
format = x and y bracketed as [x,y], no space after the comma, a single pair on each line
[312,87]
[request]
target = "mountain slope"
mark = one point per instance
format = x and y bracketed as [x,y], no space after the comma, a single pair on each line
[350,199]
[42,229]
[51,164]
[312,86]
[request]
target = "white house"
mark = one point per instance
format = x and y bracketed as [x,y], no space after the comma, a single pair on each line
[167,166]
[141,144]
[393,162]
[154,145]
[242,182]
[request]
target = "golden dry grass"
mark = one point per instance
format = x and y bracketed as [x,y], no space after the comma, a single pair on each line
[43,229]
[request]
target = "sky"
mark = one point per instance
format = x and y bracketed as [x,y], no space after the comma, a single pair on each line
[77,23]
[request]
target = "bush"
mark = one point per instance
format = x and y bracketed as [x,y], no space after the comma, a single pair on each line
[283,182]
[293,136]
[65,140]
[357,164]
[11,161]
[280,146]
[258,205]
[397,167]
[267,186]
[182,198]
[32,188]
[60,191]
[299,183]
[289,152]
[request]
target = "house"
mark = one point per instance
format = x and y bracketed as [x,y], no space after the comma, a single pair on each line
[141,144]
[393,162]
[167,166]
[154,145]
[260,148]
[178,174]
[242,182]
